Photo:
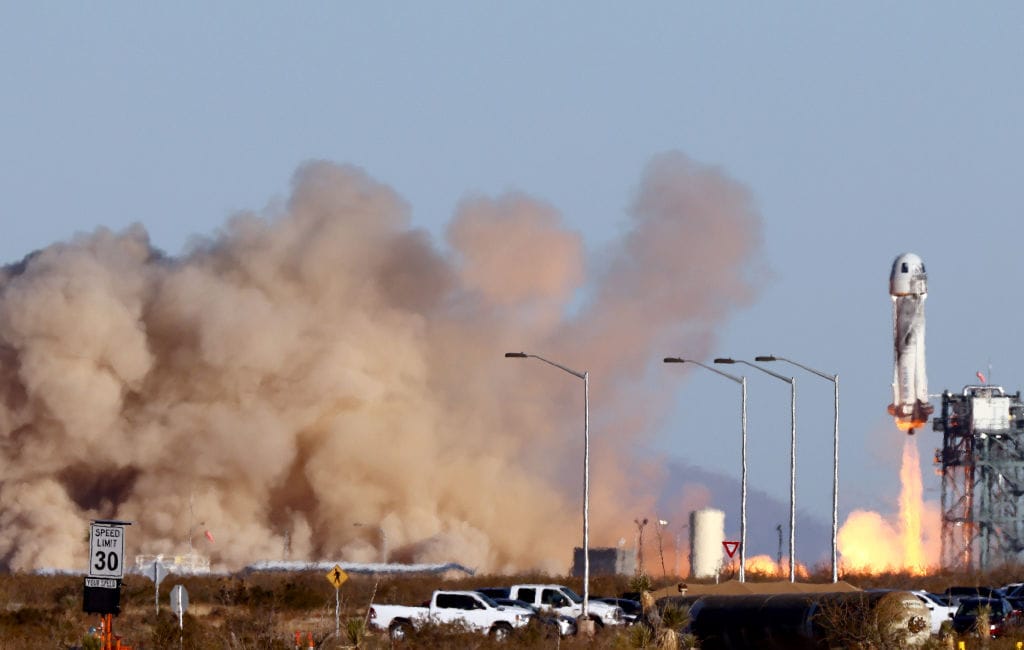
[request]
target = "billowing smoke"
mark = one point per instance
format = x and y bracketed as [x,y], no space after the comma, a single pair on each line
[316,377]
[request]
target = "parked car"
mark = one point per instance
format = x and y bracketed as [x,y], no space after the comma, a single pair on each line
[957,593]
[938,607]
[1001,615]
[493,592]
[564,600]
[1013,590]
[560,623]
[631,609]
[475,611]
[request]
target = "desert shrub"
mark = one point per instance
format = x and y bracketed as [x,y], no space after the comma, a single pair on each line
[675,616]
[641,582]
[258,629]
[640,636]
[981,624]
[355,630]
[298,596]
[855,621]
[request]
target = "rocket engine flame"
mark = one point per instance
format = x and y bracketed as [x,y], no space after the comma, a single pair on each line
[911,510]
[869,543]
[325,363]
[909,425]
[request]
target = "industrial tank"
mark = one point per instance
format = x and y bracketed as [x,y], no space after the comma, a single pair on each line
[707,532]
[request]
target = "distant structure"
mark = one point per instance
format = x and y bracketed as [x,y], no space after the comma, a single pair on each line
[707,532]
[612,561]
[186,564]
[982,467]
[446,571]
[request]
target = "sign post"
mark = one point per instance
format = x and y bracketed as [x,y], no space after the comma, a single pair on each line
[156,571]
[106,549]
[179,603]
[102,592]
[102,589]
[730,547]
[337,577]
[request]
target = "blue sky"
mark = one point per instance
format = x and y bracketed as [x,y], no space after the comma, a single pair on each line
[862,131]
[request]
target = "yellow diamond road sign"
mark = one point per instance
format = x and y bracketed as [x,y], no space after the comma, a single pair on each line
[337,576]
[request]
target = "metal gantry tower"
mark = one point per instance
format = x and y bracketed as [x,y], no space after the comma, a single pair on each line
[982,468]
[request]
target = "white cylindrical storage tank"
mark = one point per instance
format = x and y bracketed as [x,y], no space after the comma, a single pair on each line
[707,532]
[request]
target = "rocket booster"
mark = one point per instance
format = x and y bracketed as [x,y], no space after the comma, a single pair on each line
[908,286]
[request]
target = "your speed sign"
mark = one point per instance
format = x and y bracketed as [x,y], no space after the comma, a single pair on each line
[106,550]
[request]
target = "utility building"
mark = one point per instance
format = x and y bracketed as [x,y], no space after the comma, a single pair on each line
[982,468]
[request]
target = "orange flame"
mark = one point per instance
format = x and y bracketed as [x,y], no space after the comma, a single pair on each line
[908,425]
[911,507]
[764,566]
[869,543]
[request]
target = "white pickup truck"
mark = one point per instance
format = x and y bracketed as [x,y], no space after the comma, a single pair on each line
[564,600]
[475,611]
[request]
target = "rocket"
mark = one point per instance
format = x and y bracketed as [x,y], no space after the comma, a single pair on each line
[908,286]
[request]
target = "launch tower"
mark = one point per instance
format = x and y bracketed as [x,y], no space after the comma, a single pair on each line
[982,467]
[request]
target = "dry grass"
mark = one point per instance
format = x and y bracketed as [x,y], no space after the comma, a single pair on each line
[264,610]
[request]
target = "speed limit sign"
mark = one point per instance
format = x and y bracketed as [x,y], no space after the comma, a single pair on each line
[106,549]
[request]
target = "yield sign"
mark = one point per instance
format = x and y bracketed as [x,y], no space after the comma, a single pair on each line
[730,547]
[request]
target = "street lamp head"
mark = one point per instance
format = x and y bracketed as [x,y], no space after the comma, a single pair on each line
[674,360]
[515,355]
[725,360]
[767,357]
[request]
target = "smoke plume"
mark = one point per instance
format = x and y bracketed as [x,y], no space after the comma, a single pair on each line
[315,379]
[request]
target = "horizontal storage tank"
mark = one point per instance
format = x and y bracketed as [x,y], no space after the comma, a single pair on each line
[808,621]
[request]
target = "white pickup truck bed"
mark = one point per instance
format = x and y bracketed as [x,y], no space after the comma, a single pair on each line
[475,611]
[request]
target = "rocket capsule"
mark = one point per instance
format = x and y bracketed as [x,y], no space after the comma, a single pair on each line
[908,286]
[908,277]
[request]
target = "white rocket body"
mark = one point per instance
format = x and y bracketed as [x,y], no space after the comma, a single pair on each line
[908,286]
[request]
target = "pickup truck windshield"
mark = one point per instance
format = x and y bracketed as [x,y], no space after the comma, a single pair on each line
[576,598]
[487,599]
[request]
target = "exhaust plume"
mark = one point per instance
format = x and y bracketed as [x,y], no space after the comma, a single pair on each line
[314,379]
[910,542]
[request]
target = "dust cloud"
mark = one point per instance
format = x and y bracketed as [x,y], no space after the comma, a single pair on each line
[318,379]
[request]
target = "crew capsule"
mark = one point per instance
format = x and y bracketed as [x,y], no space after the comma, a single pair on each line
[908,277]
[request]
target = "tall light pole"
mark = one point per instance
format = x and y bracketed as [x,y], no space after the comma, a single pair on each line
[792,457]
[585,376]
[640,523]
[835,455]
[742,381]
[661,550]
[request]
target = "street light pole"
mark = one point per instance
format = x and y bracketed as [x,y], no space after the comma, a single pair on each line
[835,455]
[585,376]
[742,381]
[792,457]
[661,550]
